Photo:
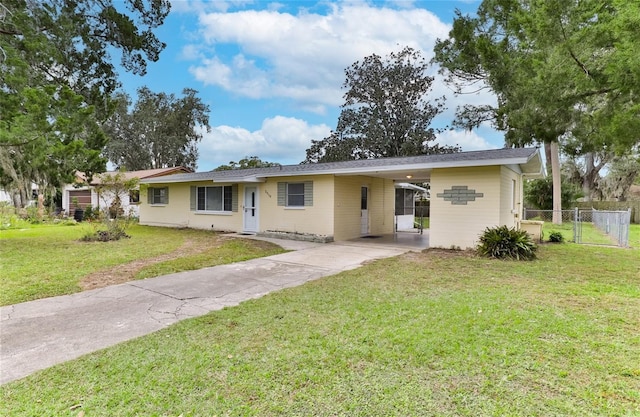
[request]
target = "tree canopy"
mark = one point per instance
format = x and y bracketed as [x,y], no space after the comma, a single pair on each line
[386,112]
[246,163]
[57,79]
[561,69]
[160,131]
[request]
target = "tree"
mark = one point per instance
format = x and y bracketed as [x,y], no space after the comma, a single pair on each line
[57,77]
[386,112]
[558,68]
[160,131]
[618,181]
[246,163]
[52,138]
[112,189]
[539,194]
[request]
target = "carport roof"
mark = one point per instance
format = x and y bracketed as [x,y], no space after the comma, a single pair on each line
[417,168]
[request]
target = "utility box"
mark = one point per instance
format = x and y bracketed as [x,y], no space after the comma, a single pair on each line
[533,228]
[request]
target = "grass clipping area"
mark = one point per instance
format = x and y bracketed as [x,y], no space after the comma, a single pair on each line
[432,334]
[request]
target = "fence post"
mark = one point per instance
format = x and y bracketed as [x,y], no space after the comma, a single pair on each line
[575,225]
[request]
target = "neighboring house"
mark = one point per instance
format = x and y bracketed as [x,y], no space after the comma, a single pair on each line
[345,200]
[89,196]
[7,196]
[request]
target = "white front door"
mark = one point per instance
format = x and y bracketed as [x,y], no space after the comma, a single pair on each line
[364,211]
[250,210]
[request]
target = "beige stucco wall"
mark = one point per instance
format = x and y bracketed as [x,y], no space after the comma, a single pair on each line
[335,211]
[461,225]
[347,221]
[382,200]
[315,220]
[347,207]
[177,213]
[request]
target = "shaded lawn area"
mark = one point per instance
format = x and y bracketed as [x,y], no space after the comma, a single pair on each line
[438,333]
[44,261]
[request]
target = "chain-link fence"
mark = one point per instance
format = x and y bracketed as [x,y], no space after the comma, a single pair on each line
[589,226]
[614,224]
[568,216]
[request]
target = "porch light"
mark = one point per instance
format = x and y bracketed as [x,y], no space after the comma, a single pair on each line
[409,177]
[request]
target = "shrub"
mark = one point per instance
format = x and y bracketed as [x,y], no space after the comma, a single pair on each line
[502,242]
[556,237]
[108,230]
[90,213]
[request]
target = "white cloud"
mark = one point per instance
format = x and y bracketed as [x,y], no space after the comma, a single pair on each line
[303,56]
[299,60]
[279,139]
[468,141]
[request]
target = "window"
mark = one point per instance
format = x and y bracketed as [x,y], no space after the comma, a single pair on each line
[158,195]
[295,194]
[404,201]
[214,198]
[134,196]
[364,198]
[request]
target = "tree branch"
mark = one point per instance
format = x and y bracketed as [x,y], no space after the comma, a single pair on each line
[573,55]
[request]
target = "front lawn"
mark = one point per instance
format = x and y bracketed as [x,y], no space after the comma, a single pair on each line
[438,333]
[46,260]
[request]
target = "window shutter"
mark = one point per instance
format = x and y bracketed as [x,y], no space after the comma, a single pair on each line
[234,197]
[166,196]
[150,195]
[193,198]
[282,193]
[308,193]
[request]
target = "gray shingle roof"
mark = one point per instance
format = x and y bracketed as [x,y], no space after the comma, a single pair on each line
[472,158]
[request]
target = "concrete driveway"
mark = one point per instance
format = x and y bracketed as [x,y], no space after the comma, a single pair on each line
[38,334]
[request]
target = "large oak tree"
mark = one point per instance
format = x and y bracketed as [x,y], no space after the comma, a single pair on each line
[57,79]
[159,131]
[386,111]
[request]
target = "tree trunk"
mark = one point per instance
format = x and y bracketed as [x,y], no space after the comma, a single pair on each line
[547,156]
[40,205]
[588,179]
[557,183]
[592,174]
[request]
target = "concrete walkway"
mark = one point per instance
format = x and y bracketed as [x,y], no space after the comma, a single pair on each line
[38,334]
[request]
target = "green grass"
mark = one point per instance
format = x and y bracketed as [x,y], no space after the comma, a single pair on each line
[590,234]
[235,250]
[425,222]
[44,261]
[433,334]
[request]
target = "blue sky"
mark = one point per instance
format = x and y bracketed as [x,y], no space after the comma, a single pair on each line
[272,72]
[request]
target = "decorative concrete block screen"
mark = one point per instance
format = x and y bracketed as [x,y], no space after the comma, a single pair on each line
[459,195]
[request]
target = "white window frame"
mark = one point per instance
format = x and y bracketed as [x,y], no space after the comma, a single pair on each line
[222,190]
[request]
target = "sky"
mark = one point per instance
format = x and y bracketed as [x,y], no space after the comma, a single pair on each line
[272,71]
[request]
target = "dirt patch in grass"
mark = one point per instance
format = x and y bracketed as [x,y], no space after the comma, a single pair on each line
[127,272]
[440,253]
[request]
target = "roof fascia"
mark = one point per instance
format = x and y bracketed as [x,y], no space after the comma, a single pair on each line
[399,168]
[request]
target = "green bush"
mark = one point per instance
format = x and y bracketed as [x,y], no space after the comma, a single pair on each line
[556,237]
[108,230]
[90,213]
[502,242]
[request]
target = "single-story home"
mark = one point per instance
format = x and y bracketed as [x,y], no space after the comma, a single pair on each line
[81,196]
[345,200]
